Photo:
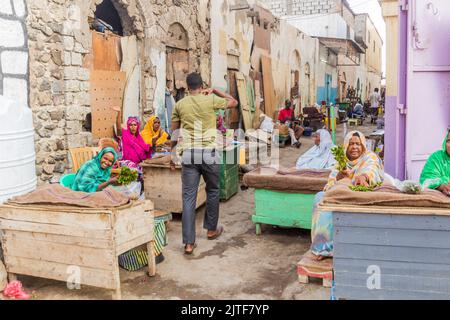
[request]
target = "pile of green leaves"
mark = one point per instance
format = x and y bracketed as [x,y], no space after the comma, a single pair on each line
[340,156]
[127,176]
[365,189]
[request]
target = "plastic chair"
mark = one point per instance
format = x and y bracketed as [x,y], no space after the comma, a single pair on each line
[67,180]
[80,156]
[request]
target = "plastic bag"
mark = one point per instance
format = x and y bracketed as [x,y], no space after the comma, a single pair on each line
[14,290]
[409,186]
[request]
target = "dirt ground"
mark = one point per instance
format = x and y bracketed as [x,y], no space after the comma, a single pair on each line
[238,265]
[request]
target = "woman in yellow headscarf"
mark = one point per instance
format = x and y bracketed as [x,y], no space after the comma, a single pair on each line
[153,134]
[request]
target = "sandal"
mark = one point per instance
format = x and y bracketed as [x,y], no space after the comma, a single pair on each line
[191,251]
[219,231]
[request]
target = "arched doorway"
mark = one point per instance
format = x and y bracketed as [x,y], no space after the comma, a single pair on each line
[295,85]
[115,69]
[177,60]
[343,87]
[308,84]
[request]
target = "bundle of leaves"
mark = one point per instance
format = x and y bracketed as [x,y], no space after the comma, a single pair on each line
[365,189]
[127,176]
[340,157]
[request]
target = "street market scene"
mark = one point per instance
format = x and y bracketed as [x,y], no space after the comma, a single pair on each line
[224,150]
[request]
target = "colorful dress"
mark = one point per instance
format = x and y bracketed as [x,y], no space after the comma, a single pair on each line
[437,169]
[134,147]
[148,134]
[91,174]
[322,230]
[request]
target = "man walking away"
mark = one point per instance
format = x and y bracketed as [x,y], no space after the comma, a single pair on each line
[375,99]
[195,117]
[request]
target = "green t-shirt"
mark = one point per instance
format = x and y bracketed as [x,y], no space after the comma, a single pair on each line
[197,115]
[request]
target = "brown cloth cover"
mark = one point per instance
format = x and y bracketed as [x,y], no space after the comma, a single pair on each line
[59,195]
[302,181]
[158,160]
[386,195]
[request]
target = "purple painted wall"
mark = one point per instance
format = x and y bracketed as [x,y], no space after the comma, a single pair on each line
[424,88]
[428,81]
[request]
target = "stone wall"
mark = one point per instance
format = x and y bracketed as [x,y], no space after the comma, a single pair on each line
[13,50]
[59,40]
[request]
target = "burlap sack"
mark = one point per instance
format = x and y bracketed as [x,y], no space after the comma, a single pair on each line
[302,181]
[159,160]
[386,195]
[56,194]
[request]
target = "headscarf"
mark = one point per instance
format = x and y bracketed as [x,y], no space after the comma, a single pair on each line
[148,133]
[437,169]
[91,174]
[318,157]
[368,163]
[134,147]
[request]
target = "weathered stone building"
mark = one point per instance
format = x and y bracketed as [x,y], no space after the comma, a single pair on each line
[67,57]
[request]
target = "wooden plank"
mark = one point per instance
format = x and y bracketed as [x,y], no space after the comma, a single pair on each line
[106,90]
[59,271]
[61,253]
[395,282]
[411,222]
[62,208]
[270,108]
[89,221]
[385,210]
[360,293]
[54,229]
[395,237]
[233,90]
[106,49]
[392,253]
[393,267]
[133,229]
[243,101]
[133,243]
[63,239]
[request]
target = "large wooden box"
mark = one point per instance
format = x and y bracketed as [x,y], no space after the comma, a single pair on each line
[163,186]
[391,253]
[56,242]
[282,209]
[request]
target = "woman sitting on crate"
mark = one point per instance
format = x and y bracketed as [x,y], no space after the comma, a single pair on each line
[364,168]
[95,174]
[154,135]
[436,173]
[319,156]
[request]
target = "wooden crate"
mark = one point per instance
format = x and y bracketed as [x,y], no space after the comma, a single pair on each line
[163,187]
[391,253]
[49,241]
[282,209]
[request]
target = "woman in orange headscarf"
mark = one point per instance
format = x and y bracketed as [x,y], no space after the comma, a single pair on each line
[153,134]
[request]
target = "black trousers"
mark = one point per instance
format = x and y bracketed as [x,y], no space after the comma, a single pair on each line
[196,163]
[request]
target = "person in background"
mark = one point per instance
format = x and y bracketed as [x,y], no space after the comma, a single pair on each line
[319,156]
[95,174]
[286,114]
[436,172]
[133,145]
[363,169]
[153,134]
[374,99]
[195,115]
[358,109]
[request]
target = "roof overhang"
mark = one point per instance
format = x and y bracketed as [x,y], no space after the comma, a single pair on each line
[344,47]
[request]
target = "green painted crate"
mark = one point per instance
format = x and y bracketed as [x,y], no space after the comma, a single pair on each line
[282,209]
[229,181]
[229,172]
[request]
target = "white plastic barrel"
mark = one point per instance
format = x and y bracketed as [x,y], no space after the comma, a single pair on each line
[17,153]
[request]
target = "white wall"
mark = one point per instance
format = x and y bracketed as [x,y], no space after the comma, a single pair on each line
[331,26]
